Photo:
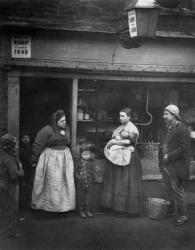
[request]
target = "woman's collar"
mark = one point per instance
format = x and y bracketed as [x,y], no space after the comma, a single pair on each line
[127,124]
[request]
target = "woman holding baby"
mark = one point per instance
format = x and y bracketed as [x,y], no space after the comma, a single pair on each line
[122,189]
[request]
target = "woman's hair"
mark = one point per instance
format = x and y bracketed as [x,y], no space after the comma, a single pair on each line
[56,116]
[128,111]
[8,142]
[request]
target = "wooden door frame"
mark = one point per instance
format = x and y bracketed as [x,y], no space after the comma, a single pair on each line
[14,85]
[13,102]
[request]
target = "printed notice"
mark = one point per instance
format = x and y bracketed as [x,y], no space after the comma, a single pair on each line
[21,47]
[132,23]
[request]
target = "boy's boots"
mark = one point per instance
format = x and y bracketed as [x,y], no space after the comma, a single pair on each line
[81,212]
[88,212]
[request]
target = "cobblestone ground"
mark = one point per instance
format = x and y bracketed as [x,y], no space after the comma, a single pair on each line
[104,232]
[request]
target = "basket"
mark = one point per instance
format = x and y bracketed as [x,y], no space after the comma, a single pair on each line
[157,208]
[148,150]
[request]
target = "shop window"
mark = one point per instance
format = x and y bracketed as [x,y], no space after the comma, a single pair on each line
[99,103]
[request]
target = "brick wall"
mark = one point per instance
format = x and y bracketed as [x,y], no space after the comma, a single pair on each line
[3,103]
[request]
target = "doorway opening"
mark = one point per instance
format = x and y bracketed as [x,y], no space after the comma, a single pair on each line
[39,98]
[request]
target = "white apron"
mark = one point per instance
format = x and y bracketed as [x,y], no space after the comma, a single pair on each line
[54,187]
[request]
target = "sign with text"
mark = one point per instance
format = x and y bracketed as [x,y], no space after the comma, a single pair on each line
[132,23]
[21,47]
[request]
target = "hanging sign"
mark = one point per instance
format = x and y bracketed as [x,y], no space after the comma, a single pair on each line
[147,3]
[132,23]
[21,47]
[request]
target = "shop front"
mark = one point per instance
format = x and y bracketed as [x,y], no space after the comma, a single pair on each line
[91,77]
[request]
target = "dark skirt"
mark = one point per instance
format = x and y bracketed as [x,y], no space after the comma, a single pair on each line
[122,189]
[9,195]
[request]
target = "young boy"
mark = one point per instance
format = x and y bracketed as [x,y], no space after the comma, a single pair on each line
[10,171]
[84,174]
[26,183]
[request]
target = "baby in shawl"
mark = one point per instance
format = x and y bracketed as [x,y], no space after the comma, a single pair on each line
[121,154]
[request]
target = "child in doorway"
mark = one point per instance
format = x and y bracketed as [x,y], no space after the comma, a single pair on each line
[84,174]
[26,183]
[120,154]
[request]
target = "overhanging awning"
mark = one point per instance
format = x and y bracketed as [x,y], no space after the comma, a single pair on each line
[107,55]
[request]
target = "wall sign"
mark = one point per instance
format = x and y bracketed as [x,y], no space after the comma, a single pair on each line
[132,23]
[21,47]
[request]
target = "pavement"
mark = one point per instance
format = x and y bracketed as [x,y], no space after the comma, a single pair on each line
[67,231]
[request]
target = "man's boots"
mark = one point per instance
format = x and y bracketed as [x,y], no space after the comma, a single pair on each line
[88,212]
[81,212]
[172,209]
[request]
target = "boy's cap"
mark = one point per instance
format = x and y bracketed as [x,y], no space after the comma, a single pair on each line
[84,149]
[86,146]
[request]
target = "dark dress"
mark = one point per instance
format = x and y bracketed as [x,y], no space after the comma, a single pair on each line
[9,193]
[122,189]
[54,187]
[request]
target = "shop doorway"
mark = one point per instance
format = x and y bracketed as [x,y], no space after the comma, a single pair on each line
[39,98]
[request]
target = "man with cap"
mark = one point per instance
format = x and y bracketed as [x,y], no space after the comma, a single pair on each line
[174,154]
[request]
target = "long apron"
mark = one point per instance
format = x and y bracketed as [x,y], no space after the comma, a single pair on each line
[54,187]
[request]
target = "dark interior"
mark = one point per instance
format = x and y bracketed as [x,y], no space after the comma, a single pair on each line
[39,98]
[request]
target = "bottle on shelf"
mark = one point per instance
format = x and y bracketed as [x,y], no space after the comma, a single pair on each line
[80,114]
[86,115]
